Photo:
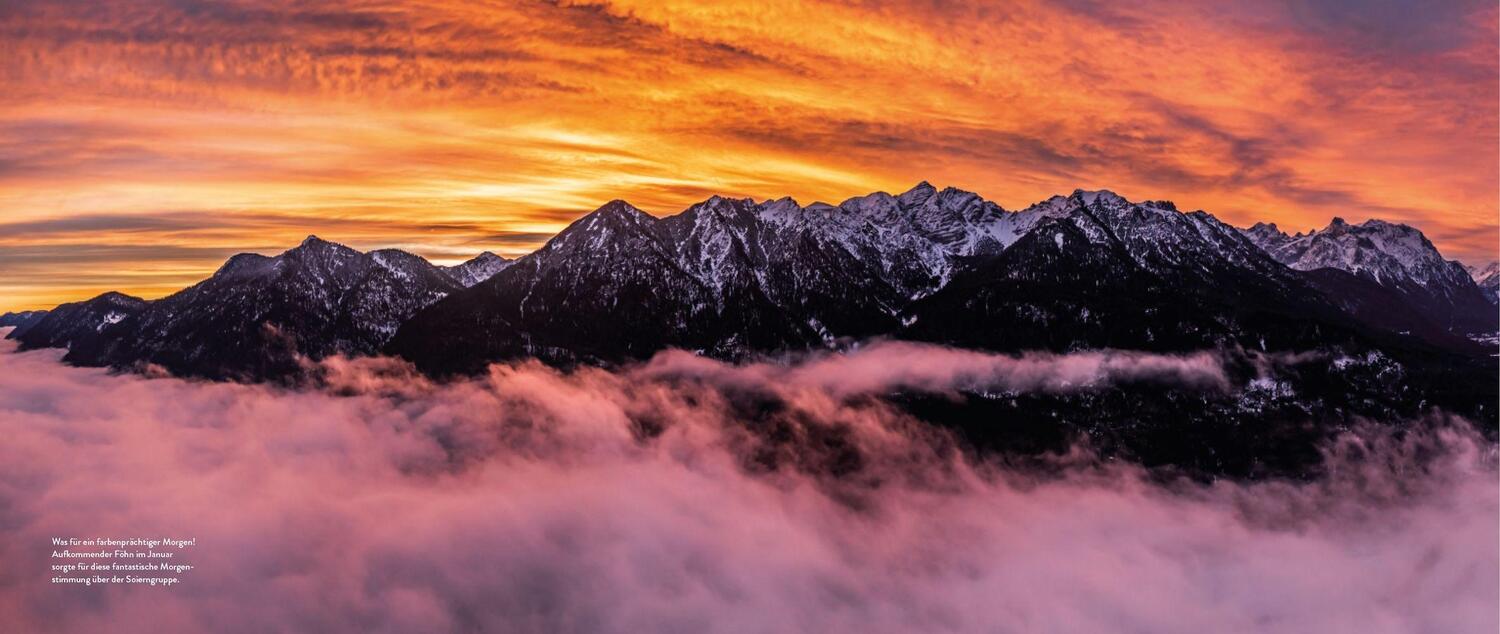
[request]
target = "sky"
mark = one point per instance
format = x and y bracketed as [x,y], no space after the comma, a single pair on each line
[142,142]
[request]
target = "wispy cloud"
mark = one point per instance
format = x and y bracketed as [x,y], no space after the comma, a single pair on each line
[515,118]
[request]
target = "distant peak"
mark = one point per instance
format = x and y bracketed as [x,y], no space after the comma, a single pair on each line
[785,203]
[618,207]
[116,297]
[243,262]
[314,243]
[1337,222]
[313,246]
[955,193]
[920,192]
[1088,197]
[613,213]
[1161,204]
[1266,229]
[717,202]
[486,256]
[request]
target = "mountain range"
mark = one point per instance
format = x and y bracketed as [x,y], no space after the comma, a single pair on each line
[736,279]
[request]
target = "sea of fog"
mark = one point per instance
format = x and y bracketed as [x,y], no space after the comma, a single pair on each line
[638,500]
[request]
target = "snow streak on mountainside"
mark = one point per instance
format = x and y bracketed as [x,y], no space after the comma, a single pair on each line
[476,270]
[733,278]
[1390,253]
[1488,279]
[85,328]
[1366,323]
[256,315]
[1394,256]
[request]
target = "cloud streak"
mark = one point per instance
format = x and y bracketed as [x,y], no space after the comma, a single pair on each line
[517,117]
[655,500]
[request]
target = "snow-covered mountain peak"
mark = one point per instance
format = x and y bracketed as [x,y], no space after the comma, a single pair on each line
[478,269]
[732,209]
[401,263]
[1392,255]
[780,210]
[877,206]
[1384,251]
[1054,207]
[1267,228]
[116,298]
[1267,236]
[617,209]
[1102,196]
[313,246]
[955,197]
[918,193]
[1482,274]
[603,227]
[245,264]
[1488,279]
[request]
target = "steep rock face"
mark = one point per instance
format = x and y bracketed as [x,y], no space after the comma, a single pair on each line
[1096,271]
[732,277]
[258,316]
[735,278]
[88,329]
[605,287]
[1395,256]
[727,277]
[477,269]
[1488,279]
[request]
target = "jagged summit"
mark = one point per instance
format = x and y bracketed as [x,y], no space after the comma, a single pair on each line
[1488,279]
[733,276]
[117,297]
[1089,197]
[619,208]
[1482,274]
[478,269]
[1383,250]
[314,244]
[918,193]
[1392,256]
[258,315]
[87,329]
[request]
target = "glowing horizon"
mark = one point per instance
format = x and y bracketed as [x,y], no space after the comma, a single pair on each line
[145,142]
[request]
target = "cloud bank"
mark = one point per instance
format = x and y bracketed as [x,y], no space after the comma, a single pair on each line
[686,495]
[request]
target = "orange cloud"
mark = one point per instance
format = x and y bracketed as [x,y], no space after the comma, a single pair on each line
[141,142]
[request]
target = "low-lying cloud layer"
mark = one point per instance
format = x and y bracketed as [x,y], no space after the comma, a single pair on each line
[646,500]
